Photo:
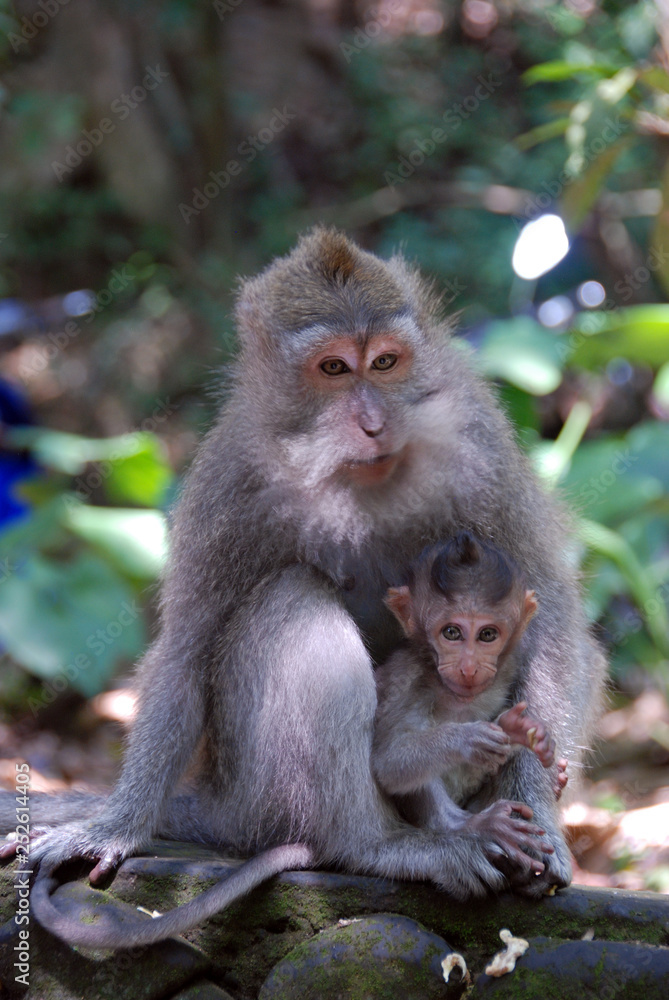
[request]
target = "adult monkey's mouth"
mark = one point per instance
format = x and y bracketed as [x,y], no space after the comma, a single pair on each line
[379,460]
[373,470]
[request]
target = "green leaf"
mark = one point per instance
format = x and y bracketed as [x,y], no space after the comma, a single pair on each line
[142,477]
[611,478]
[134,540]
[524,353]
[656,77]
[69,620]
[132,467]
[520,408]
[558,69]
[57,449]
[639,333]
[542,133]
[552,458]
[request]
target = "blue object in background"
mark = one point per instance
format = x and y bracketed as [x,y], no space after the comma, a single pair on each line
[14,467]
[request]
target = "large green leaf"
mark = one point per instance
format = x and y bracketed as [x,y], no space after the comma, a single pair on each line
[524,353]
[611,478]
[142,476]
[639,333]
[134,540]
[132,467]
[72,621]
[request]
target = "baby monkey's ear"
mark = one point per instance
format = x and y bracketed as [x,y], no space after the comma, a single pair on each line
[529,608]
[400,602]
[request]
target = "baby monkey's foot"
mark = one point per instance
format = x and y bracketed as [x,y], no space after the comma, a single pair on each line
[561,778]
[529,731]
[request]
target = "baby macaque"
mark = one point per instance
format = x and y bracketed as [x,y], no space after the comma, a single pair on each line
[464,612]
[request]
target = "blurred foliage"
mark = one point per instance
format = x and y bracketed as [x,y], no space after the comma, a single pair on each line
[74,571]
[443,128]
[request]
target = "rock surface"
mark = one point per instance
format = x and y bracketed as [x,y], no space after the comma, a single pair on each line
[370,958]
[285,940]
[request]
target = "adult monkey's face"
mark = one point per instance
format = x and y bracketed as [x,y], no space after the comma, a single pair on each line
[338,348]
[358,381]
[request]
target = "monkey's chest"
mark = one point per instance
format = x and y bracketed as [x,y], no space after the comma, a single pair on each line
[378,627]
[363,585]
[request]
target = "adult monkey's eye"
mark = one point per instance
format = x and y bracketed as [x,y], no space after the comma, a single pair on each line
[451,632]
[384,362]
[488,634]
[334,366]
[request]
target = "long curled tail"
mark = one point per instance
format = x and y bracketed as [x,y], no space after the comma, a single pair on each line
[109,931]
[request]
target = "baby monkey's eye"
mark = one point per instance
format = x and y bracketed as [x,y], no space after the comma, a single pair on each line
[488,634]
[384,362]
[451,632]
[334,366]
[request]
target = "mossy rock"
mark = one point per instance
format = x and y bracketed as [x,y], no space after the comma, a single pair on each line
[376,958]
[582,970]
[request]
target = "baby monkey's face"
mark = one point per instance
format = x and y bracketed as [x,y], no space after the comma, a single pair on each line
[470,642]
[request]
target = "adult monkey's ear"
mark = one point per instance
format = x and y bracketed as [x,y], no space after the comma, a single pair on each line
[400,602]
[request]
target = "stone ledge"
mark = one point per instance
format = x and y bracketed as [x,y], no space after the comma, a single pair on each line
[233,954]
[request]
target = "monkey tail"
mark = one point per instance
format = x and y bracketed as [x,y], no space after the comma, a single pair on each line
[112,930]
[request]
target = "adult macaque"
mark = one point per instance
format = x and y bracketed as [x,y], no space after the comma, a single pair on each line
[354,434]
[464,611]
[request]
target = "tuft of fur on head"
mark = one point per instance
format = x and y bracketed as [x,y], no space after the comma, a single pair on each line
[466,565]
[329,280]
[336,260]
